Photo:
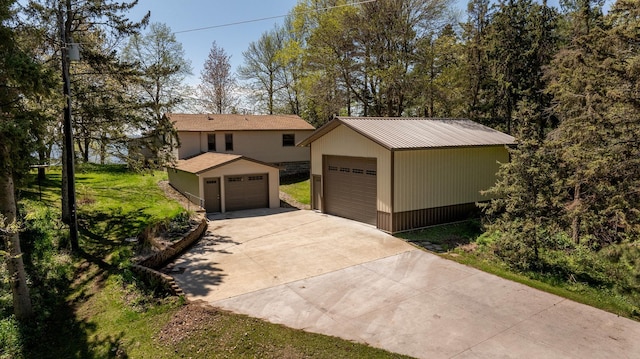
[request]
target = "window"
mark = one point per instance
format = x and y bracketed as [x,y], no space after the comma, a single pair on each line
[288,140]
[211,142]
[228,142]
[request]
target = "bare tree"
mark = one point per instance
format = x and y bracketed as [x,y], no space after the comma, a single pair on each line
[217,82]
[263,67]
[163,68]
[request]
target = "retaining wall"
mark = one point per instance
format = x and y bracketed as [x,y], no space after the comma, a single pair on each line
[148,267]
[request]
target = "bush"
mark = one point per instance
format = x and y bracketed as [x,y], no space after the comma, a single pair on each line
[10,339]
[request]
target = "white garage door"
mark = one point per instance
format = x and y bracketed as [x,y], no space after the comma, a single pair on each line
[350,188]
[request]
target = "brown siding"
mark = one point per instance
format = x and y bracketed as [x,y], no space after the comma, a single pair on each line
[384,221]
[404,221]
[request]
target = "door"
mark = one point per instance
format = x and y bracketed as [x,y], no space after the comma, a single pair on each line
[246,191]
[316,190]
[212,195]
[350,188]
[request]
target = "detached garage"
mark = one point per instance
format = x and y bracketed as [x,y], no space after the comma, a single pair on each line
[403,173]
[223,182]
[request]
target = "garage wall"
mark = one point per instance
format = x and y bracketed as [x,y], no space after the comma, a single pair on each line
[185,182]
[189,144]
[264,146]
[243,167]
[343,141]
[445,177]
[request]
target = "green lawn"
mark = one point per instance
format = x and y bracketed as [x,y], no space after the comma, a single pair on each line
[300,191]
[89,305]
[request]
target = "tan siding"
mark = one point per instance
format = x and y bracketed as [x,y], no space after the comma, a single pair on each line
[343,141]
[446,176]
[189,144]
[185,182]
[246,167]
[265,146]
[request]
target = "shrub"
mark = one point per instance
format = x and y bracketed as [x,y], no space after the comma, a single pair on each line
[10,339]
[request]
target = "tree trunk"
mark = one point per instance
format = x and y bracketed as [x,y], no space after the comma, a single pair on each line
[15,265]
[575,224]
[66,210]
[87,144]
[103,150]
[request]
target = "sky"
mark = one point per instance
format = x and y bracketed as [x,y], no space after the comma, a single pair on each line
[234,39]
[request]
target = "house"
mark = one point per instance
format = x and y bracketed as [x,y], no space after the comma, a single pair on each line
[221,182]
[403,173]
[267,138]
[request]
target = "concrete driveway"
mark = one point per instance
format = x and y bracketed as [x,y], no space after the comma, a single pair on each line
[334,276]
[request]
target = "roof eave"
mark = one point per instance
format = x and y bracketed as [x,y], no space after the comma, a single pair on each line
[449,147]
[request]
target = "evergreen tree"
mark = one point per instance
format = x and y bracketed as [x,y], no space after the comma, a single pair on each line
[21,78]
[524,210]
[521,41]
[476,65]
[62,21]
[594,84]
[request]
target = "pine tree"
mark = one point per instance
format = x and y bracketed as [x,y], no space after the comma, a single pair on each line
[524,211]
[21,78]
[594,83]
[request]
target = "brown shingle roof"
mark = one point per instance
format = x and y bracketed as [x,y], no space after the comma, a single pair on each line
[396,133]
[210,160]
[211,122]
[206,161]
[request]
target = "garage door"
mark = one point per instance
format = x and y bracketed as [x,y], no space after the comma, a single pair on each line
[246,191]
[350,188]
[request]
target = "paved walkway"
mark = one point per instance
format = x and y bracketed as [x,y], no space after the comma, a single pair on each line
[338,277]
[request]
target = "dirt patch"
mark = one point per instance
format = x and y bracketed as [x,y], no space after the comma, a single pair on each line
[173,194]
[190,319]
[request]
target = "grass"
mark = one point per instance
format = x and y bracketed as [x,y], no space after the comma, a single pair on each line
[300,191]
[449,236]
[579,292]
[463,243]
[89,305]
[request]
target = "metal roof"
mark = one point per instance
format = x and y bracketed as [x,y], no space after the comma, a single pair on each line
[212,122]
[210,160]
[395,133]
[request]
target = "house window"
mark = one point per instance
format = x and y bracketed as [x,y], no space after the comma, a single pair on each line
[228,142]
[288,140]
[211,142]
